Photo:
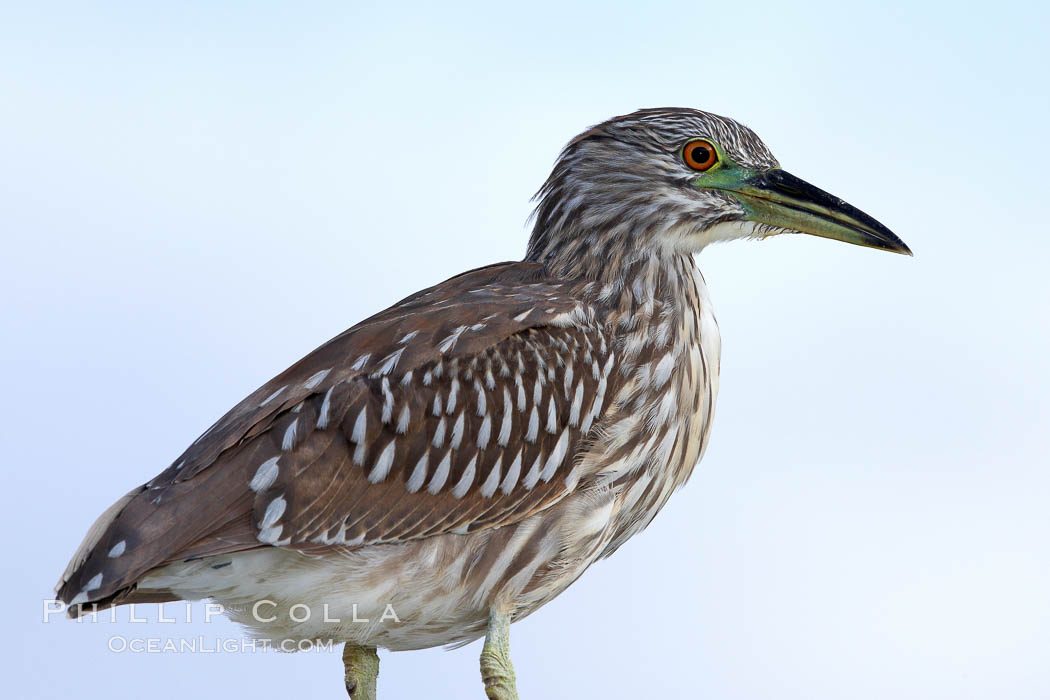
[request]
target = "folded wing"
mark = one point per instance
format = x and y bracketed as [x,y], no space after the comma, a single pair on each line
[460,408]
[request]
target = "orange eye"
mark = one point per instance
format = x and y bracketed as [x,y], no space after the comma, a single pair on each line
[699,154]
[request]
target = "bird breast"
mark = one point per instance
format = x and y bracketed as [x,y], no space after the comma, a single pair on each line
[657,427]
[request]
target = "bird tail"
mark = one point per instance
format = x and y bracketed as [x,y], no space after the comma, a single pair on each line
[63,588]
[168,519]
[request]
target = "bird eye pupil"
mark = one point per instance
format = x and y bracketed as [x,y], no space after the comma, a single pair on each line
[701,154]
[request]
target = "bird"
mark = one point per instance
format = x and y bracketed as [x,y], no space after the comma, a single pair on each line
[451,464]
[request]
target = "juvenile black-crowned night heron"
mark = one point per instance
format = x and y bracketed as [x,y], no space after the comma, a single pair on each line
[453,463]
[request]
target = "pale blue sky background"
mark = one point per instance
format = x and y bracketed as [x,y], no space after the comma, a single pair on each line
[193,195]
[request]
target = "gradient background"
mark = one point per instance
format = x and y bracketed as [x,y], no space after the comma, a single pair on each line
[195,194]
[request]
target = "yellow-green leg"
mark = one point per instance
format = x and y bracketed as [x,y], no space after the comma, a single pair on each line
[496,669]
[361,667]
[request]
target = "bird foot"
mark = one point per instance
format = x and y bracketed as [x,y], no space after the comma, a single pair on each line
[497,672]
[361,669]
[499,679]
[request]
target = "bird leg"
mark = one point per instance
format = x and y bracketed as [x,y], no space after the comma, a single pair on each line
[361,667]
[496,669]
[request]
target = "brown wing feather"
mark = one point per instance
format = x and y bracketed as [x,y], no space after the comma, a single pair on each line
[427,454]
[391,431]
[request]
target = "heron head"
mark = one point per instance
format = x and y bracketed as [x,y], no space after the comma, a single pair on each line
[677,180]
